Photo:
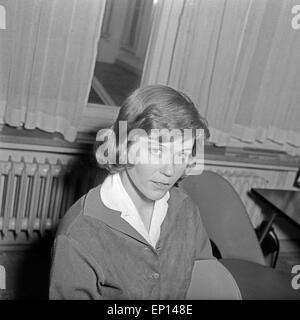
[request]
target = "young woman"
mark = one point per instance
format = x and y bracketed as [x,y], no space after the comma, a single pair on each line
[137,235]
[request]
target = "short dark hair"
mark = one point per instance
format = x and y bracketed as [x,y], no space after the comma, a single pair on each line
[154,107]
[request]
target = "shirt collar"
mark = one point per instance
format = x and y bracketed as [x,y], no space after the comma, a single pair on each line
[94,207]
[114,196]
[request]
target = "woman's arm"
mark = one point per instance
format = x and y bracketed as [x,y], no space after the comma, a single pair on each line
[74,273]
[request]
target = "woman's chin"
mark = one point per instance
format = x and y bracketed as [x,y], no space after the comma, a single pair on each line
[155,195]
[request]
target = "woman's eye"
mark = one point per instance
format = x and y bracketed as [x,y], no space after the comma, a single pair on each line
[156,152]
[184,156]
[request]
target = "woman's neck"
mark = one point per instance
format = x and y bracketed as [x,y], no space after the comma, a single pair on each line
[140,201]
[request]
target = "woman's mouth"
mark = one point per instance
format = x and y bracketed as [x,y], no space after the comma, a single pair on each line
[161,185]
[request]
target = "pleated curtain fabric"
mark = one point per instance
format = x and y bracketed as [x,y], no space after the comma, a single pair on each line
[239,62]
[47,56]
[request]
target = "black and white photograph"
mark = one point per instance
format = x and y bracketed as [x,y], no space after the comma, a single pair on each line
[149,153]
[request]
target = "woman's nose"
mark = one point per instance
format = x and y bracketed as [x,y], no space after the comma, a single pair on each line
[167,169]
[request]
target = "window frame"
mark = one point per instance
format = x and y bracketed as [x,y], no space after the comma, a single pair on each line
[164,25]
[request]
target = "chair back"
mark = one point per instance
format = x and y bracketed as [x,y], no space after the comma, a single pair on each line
[224,216]
[2,278]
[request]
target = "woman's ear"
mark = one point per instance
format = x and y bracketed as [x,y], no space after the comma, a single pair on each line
[195,166]
[191,163]
[187,170]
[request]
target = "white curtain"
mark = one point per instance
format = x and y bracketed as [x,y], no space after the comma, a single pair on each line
[239,61]
[47,54]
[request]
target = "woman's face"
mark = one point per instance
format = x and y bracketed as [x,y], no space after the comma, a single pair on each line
[167,163]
